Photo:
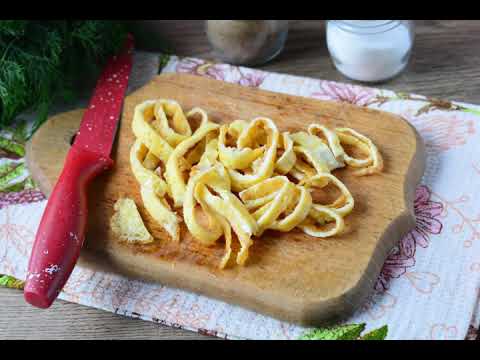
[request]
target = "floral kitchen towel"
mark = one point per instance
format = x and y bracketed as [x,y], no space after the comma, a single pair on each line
[429,286]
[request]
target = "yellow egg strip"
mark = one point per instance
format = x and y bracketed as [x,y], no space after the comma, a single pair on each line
[243,224]
[269,212]
[180,129]
[308,162]
[331,138]
[227,232]
[153,190]
[142,129]
[263,192]
[142,174]
[205,235]
[344,204]
[198,111]
[318,216]
[232,157]
[373,163]
[302,203]
[287,160]
[224,204]
[236,127]
[316,151]
[274,197]
[208,158]
[174,174]
[151,161]
[266,163]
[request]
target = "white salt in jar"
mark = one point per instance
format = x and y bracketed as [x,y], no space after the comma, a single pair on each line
[370,50]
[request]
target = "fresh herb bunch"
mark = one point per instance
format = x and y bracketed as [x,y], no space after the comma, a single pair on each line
[43,61]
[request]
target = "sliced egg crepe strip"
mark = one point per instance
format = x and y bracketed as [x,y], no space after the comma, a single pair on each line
[331,138]
[224,205]
[372,164]
[344,204]
[237,215]
[233,157]
[177,129]
[206,235]
[174,174]
[316,151]
[316,224]
[153,190]
[273,198]
[278,192]
[249,138]
[287,159]
[296,212]
[142,128]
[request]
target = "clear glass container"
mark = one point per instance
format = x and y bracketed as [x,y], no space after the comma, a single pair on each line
[246,42]
[370,50]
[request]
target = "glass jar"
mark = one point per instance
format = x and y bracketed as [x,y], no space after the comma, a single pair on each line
[370,50]
[246,42]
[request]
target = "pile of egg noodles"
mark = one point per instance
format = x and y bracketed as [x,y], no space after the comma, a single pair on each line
[244,177]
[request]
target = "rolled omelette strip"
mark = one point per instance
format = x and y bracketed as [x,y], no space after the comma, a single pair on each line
[308,164]
[233,157]
[313,156]
[330,137]
[278,190]
[207,235]
[175,167]
[296,212]
[227,232]
[206,171]
[222,204]
[209,157]
[276,197]
[153,190]
[252,137]
[237,215]
[287,159]
[198,111]
[142,128]
[263,192]
[344,204]
[372,164]
[316,224]
[236,127]
[172,124]
[316,151]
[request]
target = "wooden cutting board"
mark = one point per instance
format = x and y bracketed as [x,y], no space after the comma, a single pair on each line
[290,276]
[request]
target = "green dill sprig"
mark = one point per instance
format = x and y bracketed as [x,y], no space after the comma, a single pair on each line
[44,61]
[345,332]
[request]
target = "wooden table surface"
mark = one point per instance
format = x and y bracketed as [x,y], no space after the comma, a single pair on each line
[444,64]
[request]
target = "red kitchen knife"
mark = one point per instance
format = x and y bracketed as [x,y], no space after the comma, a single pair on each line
[61,231]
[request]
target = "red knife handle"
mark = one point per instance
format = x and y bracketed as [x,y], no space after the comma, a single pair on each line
[61,231]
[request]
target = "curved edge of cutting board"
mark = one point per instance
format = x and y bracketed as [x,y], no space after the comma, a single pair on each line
[348,302]
[55,136]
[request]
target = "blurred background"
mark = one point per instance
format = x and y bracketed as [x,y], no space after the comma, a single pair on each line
[444,60]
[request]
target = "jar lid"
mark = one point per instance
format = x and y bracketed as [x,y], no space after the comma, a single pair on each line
[366,26]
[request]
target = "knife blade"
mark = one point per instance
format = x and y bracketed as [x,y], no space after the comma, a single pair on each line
[61,231]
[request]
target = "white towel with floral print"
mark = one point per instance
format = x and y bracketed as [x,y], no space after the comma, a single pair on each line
[429,285]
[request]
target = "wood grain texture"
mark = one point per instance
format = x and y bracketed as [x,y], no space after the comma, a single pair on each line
[290,276]
[68,321]
[444,65]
